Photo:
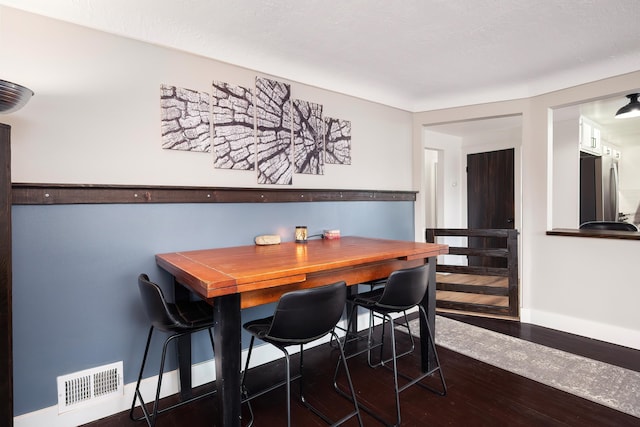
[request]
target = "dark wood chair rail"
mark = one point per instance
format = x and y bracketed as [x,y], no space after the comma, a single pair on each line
[51,194]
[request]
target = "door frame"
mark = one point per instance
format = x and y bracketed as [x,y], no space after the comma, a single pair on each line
[6,311]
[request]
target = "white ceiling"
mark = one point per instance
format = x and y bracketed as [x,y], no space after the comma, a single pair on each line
[412,54]
[416,55]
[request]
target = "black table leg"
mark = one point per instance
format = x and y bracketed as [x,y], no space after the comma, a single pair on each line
[429,305]
[227,341]
[180,293]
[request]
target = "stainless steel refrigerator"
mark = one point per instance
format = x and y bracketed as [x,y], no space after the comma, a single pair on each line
[598,188]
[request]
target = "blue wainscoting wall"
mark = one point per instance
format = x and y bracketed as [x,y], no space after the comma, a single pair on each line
[75,296]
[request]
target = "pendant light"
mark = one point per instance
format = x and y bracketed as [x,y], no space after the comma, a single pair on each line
[632,109]
[13,96]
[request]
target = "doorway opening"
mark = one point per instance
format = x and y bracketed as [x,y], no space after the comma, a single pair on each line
[451,199]
[433,193]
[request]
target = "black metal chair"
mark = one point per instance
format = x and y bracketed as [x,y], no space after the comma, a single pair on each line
[301,317]
[177,320]
[375,287]
[404,290]
[608,225]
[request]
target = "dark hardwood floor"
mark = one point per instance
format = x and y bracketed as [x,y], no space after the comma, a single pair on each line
[478,394]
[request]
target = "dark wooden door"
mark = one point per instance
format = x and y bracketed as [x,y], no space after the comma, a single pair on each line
[490,199]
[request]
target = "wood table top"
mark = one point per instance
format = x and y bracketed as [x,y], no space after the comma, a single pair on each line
[223,271]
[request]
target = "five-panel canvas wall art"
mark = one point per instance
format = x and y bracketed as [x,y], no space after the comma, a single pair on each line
[262,129]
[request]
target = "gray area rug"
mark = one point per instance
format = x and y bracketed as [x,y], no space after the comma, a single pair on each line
[606,384]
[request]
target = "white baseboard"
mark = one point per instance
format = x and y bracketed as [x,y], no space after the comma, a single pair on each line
[586,328]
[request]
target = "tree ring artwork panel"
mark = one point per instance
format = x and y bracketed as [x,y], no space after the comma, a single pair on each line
[233,127]
[308,139]
[273,136]
[185,121]
[337,140]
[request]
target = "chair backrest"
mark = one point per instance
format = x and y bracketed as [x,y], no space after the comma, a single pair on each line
[155,305]
[405,288]
[308,314]
[608,225]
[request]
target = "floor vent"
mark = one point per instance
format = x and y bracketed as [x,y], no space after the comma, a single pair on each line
[88,386]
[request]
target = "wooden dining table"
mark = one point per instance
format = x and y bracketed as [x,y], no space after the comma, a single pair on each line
[234,278]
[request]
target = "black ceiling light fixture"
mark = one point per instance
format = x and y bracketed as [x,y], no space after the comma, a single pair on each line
[632,109]
[13,96]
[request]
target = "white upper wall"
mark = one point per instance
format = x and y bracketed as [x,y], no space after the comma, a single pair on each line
[586,286]
[95,116]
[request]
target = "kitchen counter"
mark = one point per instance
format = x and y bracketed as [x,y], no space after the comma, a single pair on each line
[601,234]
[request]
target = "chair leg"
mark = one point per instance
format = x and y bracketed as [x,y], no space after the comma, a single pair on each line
[243,389]
[395,369]
[370,340]
[300,376]
[381,346]
[387,319]
[137,395]
[304,401]
[345,329]
[343,359]
[436,368]
[381,361]
[213,347]
[161,372]
[288,384]
[301,383]
[350,335]
[150,418]
[406,325]
[350,319]
[352,395]
[372,344]
[246,364]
